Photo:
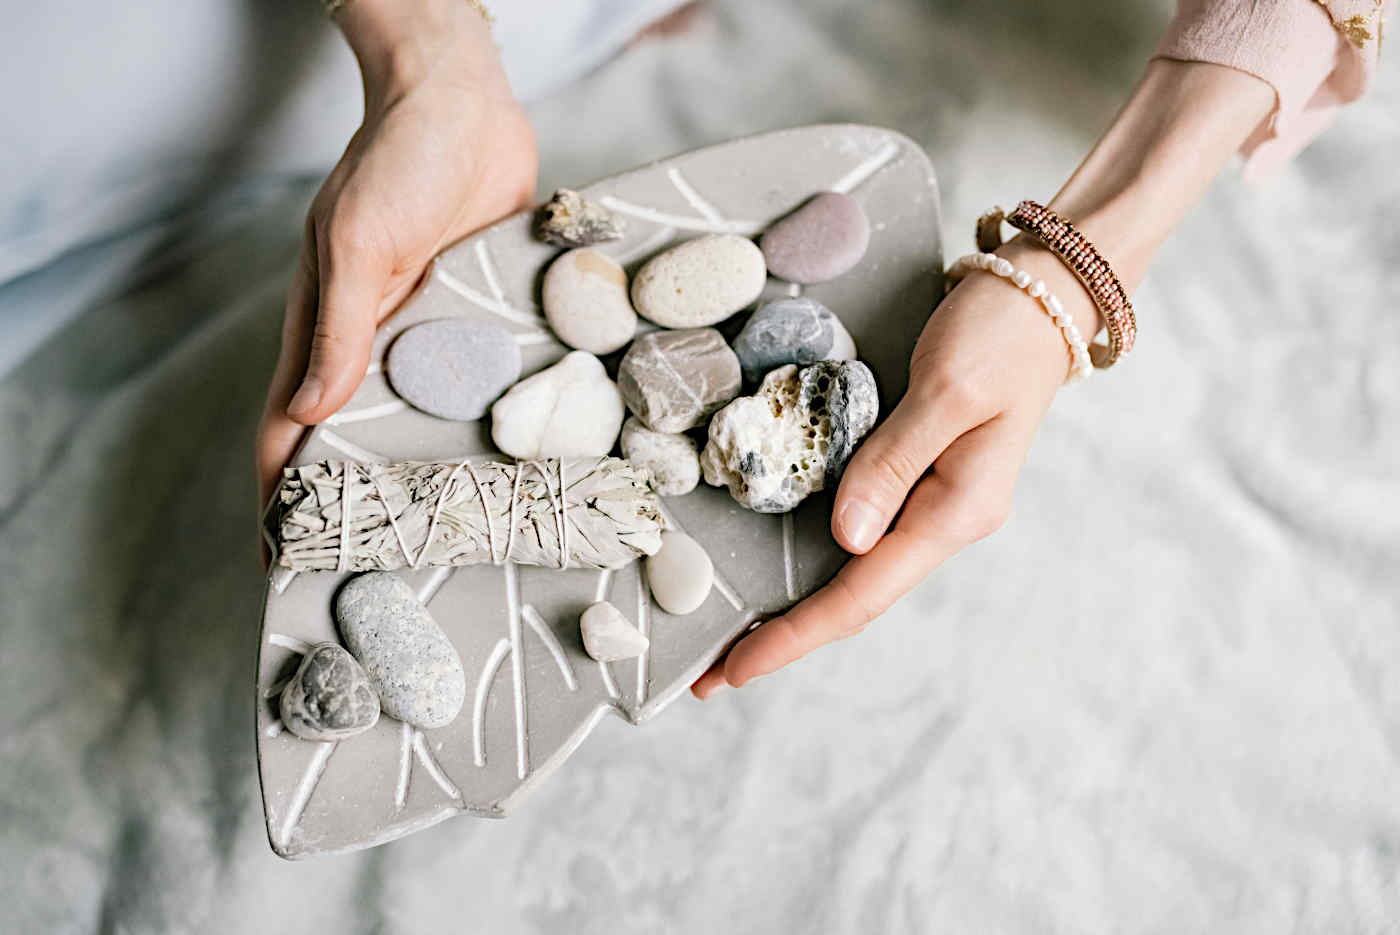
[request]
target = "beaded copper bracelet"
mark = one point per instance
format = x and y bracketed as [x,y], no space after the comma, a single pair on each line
[1083,259]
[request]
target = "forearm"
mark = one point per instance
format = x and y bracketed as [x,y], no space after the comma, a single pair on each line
[398,43]
[1179,128]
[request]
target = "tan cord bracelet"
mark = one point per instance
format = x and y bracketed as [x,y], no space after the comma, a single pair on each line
[1083,259]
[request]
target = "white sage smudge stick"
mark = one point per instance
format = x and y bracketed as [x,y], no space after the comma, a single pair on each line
[574,513]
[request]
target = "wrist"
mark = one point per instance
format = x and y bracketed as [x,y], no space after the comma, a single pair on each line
[401,44]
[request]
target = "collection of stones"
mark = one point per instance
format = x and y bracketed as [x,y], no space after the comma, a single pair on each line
[812,403]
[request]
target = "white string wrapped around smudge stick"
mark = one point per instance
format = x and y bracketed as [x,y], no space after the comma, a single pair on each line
[562,513]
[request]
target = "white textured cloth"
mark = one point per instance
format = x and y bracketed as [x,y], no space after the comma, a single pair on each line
[1162,700]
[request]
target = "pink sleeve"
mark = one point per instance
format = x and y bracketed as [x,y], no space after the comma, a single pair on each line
[1317,57]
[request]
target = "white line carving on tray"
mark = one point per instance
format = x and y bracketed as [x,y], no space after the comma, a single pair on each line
[517,669]
[367,413]
[789,558]
[483,692]
[488,270]
[309,779]
[274,729]
[644,625]
[289,642]
[794,289]
[374,367]
[677,221]
[707,210]
[350,449]
[861,173]
[546,635]
[280,578]
[435,580]
[276,688]
[658,237]
[485,302]
[405,765]
[434,768]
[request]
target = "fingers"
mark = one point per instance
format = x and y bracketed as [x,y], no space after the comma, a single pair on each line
[964,499]
[351,286]
[889,463]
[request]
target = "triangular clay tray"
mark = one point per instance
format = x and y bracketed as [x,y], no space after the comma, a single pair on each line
[533,695]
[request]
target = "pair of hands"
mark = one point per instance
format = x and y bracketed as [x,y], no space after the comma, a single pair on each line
[445,149]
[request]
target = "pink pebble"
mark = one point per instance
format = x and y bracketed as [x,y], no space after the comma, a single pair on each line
[819,241]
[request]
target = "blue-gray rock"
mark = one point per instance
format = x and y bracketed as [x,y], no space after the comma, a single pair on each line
[411,663]
[454,368]
[794,437]
[330,697]
[797,330]
[819,241]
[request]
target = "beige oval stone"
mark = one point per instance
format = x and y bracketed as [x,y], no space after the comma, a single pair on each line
[700,282]
[585,301]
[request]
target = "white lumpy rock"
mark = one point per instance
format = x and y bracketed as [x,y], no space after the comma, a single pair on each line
[330,697]
[797,330]
[700,282]
[569,410]
[608,636]
[794,437]
[671,460]
[674,380]
[585,301]
[680,574]
[409,660]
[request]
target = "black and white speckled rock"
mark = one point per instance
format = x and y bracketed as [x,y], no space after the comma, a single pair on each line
[793,437]
[673,380]
[330,697]
[797,330]
[672,460]
[570,220]
[409,660]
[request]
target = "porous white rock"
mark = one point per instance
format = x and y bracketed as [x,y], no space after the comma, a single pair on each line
[608,636]
[585,301]
[680,574]
[672,460]
[700,282]
[793,437]
[569,410]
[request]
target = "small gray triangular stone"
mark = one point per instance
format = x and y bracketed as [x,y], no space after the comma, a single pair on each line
[608,636]
[330,697]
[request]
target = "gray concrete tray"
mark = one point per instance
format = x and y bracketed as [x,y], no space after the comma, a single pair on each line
[533,694]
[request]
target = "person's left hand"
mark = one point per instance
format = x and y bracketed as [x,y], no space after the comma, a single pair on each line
[982,375]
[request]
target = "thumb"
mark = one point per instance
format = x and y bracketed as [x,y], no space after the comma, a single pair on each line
[886,466]
[352,281]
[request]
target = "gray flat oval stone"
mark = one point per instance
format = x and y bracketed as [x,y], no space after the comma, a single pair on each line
[409,660]
[453,368]
[330,697]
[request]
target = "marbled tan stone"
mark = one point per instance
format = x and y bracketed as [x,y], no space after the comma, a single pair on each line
[672,460]
[674,380]
[569,410]
[699,282]
[680,574]
[411,663]
[330,697]
[819,241]
[797,330]
[453,367]
[794,437]
[585,301]
[570,220]
[608,636]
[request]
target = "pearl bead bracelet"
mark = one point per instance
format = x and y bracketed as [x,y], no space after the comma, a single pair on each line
[1080,364]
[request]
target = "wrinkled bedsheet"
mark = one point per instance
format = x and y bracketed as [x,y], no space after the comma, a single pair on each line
[1165,698]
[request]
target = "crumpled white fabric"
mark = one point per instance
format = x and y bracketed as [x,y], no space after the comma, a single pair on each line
[1162,699]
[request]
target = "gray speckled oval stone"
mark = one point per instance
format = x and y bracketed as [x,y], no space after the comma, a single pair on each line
[699,282]
[409,660]
[673,380]
[819,241]
[330,697]
[453,368]
[797,330]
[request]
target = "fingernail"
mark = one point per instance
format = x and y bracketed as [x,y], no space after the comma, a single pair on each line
[861,525]
[721,687]
[306,397]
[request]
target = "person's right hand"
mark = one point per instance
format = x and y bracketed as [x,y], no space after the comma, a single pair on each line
[444,150]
